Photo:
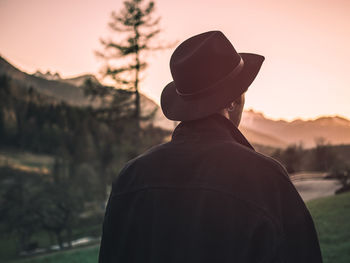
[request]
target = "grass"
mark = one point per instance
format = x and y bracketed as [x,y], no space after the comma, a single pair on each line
[86,255]
[87,227]
[7,248]
[331,216]
[332,219]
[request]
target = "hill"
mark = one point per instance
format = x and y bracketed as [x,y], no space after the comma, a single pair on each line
[58,90]
[255,126]
[334,129]
[69,90]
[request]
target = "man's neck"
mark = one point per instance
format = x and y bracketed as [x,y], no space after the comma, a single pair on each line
[235,121]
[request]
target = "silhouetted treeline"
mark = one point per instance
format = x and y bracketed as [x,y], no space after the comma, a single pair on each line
[323,157]
[88,146]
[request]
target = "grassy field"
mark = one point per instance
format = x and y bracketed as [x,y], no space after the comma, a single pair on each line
[331,216]
[332,219]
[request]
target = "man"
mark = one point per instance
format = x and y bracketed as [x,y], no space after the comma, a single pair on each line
[207,196]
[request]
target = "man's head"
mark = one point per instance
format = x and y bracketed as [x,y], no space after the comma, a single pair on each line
[234,111]
[208,76]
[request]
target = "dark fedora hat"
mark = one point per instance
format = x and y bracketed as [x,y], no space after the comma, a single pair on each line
[208,74]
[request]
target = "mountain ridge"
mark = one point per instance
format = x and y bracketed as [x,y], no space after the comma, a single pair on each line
[254,125]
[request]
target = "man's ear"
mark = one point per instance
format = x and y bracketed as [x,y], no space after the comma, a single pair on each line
[239,100]
[236,103]
[232,106]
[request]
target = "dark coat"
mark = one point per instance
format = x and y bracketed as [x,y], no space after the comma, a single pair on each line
[206,196]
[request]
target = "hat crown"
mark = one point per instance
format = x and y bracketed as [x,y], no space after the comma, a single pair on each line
[201,61]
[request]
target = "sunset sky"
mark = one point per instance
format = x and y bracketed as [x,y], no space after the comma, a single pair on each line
[306,45]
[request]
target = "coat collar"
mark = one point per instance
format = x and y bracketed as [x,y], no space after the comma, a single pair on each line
[215,127]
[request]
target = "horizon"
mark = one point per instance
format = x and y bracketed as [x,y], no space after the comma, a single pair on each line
[306,50]
[246,109]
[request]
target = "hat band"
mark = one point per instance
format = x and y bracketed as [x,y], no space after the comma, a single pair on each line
[208,90]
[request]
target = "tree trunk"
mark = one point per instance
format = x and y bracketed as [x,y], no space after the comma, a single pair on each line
[136,82]
[23,241]
[137,96]
[59,239]
[137,105]
[51,238]
[69,236]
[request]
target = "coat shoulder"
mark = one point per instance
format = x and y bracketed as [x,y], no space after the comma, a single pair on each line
[235,154]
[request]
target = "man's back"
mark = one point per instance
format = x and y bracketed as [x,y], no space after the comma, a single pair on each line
[206,196]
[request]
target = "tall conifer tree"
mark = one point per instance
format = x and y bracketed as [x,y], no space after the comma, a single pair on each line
[134,27]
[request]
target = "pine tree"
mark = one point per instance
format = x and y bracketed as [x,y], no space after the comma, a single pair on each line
[135,27]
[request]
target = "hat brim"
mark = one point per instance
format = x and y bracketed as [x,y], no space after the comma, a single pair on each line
[176,108]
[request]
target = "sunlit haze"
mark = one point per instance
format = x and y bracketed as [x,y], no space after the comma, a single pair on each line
[305,43]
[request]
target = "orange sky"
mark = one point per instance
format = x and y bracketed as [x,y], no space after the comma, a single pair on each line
[306,45]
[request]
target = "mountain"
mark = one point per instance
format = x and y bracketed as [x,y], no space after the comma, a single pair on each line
[48,75]
[80,80]
[333,129]
[254,125]
[58,90]
[76,81]
[70,91]
[261,138]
